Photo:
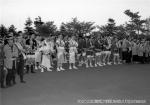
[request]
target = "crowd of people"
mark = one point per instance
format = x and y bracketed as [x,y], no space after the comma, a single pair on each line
[22,54]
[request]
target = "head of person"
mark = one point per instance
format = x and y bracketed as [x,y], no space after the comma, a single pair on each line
[10,39]
[42,42]
[66,38]
[32,36]
[73,37]
[60,37]
[20,33]
[86,38]
[15,39]
[19,38]
[11,34]
[37,37]
[115,39]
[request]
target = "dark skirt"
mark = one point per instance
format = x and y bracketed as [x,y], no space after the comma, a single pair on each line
[20,65]
[1,73]
[135,58]
[141,59]
[124,55]
[128,57]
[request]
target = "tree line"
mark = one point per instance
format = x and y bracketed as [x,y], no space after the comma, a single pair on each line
[135,27]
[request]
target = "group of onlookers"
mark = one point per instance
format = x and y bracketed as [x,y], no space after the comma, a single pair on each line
[21,54]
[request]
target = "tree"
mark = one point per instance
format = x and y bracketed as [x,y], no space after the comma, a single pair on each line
[38,24]
[51,27]
[63,29]
[12,29]
[135,25]
[87,27]
[3,31]
[121,32]
[147,26]
[28,27]
[76,28]
[47,29]
[109,29]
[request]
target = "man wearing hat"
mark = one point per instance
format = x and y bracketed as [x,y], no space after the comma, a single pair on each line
[10,53]
[21,57]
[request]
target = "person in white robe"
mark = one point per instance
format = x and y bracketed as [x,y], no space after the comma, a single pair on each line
[107,52]
[72,52]
[60,45]
[38,55]
[45,64]
[51,45]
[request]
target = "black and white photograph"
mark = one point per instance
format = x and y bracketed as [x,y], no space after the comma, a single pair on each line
[74,52]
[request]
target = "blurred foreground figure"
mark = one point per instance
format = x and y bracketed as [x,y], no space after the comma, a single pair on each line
[3,71]
[10,54]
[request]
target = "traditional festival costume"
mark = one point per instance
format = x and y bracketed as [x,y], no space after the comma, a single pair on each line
[115,51]
[89,52]
[72,52]
[45,64]
[30,61]
[60,54]
[141,52]
[134,48]
[98,53]
[107,52]
[38,55]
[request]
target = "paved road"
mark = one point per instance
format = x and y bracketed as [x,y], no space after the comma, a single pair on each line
[65,88]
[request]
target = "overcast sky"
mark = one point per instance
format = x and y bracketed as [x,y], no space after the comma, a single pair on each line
[17,11]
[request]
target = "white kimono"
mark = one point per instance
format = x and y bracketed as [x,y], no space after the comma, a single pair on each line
[72,50]
[45,56]
[38,54]
[60,51]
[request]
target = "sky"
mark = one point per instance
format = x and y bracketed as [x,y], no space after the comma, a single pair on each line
[98,11]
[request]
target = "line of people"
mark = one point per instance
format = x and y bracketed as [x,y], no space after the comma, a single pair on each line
[21,54]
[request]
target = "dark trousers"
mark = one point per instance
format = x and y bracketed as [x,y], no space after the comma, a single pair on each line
[20,67]
[14,71]
[148,59]
[1,73]
[30,67]
[124,55]
[9,77]
[128,57]
[120,53]
[2,76]
[135,58]
[141,59]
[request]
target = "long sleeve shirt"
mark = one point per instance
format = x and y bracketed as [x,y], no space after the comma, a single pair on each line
[10,53]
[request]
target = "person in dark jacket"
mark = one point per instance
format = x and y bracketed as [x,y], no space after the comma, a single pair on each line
[3,70]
